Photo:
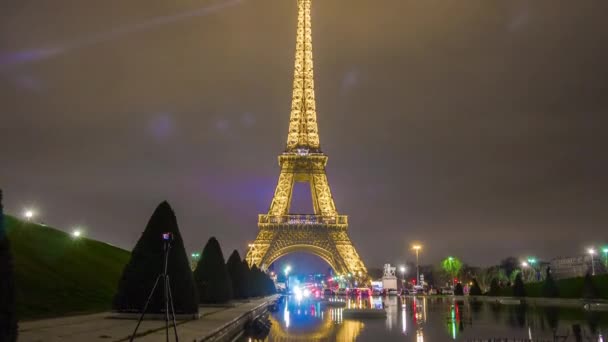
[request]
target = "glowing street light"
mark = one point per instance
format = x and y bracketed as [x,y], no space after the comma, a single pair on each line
[591,252]
[287,270]
[28,214]
[76,233]
[417,248]
[402,270]
[524,264]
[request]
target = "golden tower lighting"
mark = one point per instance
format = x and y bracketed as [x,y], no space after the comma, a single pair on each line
[324,232]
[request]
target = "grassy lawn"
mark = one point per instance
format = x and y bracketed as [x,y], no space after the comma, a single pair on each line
[57,275]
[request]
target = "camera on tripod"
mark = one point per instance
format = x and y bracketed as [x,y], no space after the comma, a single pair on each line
[167,237]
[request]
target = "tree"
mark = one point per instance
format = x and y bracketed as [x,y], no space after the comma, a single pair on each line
[451,266]
[255,282]
[475,289]
[237,276]
[212,276]
[8,316]
[509,265]
[589,289]
[246,286]
[550,289]
[485,277]
[519,290]
[147,260]
[494,288]
[458,290]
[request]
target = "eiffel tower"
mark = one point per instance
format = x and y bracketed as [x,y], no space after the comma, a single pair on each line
[323,233]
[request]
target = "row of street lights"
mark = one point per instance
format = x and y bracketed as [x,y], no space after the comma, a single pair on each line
[29,214]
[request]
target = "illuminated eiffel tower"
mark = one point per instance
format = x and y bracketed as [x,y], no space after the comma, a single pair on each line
[323,233]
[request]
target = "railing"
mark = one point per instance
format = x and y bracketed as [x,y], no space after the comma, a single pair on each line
[303,219]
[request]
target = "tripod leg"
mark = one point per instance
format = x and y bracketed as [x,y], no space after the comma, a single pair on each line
[166,308]
[172,309]
[143,312]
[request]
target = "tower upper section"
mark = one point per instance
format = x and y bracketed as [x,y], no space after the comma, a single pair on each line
[303,130]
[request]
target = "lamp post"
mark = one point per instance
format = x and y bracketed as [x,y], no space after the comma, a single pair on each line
[28,214]
[402,270]
[591,252]
[417,248]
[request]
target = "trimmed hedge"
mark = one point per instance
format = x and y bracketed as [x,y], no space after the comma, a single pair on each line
[567,288]
[211,275]
[147,260]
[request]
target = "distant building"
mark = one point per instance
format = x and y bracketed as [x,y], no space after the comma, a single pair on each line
[575,266]
[389,280]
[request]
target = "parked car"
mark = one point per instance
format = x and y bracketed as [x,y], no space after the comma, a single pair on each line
[392,292]
[447,291]
[342,292]
[328,292]
[417,290]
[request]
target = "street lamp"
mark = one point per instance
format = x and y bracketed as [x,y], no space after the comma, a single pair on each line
[76,233]
[402,270]
[417,248]
[28,214]
[591,252]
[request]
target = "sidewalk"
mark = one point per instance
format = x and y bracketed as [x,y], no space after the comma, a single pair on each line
[99,327]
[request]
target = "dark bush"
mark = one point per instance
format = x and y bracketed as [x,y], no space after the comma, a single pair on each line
[246,287]
[458,290]
[211,275]
[550,289]
[237,275]
[519,289]
[146,264]
[494,288]
[8,317]
[589,289]
[255,282]
[475,289]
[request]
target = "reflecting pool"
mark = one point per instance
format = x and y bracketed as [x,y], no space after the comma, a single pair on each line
[432,319]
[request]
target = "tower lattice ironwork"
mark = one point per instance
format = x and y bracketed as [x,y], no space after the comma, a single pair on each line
[323,233]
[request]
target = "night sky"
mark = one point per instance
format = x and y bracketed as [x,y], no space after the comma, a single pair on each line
[475,127]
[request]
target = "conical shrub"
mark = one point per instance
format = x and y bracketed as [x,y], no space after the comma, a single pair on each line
[494,288]
[8,316]
[246,286]
[475,289]
[519,289]
[235,270]
[589,289]
[147,260]
[550,289]
[211,275]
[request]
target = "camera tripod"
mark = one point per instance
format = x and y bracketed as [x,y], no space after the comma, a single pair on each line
[168,297]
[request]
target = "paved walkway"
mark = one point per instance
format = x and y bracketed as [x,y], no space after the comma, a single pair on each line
[100,327]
